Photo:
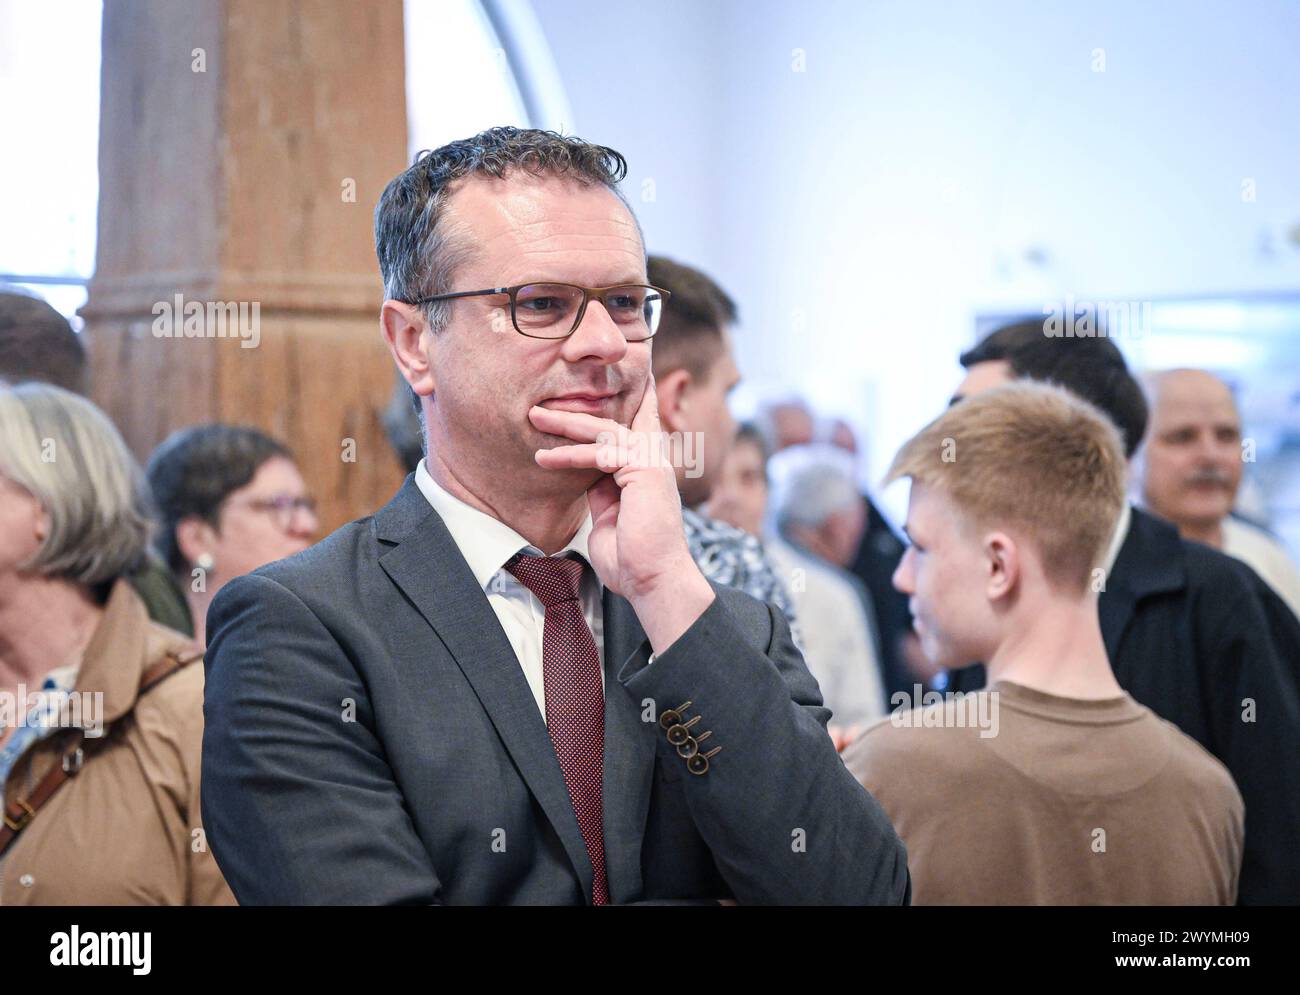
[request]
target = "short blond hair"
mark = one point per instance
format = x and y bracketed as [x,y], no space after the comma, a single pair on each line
[65,452]
[1030,457]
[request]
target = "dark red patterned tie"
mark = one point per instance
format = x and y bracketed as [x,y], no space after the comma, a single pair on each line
[575,703]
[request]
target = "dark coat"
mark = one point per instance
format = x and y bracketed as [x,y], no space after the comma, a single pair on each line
[878,557]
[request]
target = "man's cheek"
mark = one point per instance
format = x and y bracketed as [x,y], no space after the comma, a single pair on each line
[630,406]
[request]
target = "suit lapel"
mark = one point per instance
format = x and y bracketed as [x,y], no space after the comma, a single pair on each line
[629,754]
[427,566]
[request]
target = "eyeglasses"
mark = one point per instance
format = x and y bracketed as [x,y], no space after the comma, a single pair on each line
[555,310]
[283,506]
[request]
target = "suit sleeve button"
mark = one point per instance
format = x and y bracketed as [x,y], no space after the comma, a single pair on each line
[699,763]
[672,716]
[679,734]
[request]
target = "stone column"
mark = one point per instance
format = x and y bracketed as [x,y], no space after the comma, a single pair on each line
[243,145]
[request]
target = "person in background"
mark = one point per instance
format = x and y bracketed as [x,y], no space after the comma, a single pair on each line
[785,423]
[1188,471]
[37,344]
[694,371]
[1193,634]
[401,423]
[740,499]
[1052,786]
[740,496]
[121,704]
[818,516]
[902,664]
[230,499]
[791,422]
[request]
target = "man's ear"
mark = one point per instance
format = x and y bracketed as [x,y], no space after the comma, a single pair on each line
[673,390]
[1002,557]
[404,328]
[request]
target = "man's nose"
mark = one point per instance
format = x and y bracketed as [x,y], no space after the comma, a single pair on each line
[597,335]
[902,580]
[1227,450]
[1209,451]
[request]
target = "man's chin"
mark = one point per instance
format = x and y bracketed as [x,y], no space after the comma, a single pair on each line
[944,656]
[1205,514]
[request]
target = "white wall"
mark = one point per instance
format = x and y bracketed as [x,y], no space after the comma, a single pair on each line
[864,208]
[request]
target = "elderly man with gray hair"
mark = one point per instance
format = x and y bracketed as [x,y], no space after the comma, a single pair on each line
[818,517]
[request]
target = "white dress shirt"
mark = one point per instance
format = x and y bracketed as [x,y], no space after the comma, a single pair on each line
[487,545]
[1268,557]
[1118,536]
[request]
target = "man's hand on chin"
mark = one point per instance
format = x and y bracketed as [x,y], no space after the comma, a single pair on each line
[637,544]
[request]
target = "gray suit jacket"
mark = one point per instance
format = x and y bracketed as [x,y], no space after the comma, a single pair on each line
[370,738]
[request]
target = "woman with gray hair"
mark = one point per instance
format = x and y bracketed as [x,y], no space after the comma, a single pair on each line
[819,516]
[101,710]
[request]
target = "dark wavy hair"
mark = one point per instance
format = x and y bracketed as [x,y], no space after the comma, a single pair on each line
[195,469]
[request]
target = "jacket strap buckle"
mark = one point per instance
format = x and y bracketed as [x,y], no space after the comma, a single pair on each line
[26,816]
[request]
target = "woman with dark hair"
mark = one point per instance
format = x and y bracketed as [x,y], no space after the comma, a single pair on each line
[230,499]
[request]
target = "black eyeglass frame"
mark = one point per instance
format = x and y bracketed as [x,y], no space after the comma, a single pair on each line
[588,294]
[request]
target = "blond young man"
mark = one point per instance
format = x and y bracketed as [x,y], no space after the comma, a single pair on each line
[1051,785]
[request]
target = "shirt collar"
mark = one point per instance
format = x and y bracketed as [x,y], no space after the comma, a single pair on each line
[487,542]
[1117,540]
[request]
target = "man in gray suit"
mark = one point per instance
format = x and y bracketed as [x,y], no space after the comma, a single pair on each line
[512,684]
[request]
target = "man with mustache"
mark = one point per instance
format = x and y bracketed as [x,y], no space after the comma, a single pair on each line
[512,685]
[1189,470]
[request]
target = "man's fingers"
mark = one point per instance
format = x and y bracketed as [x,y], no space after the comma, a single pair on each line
[646,418]
[575,425]
[594,455]
[627,450]
[601,496]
